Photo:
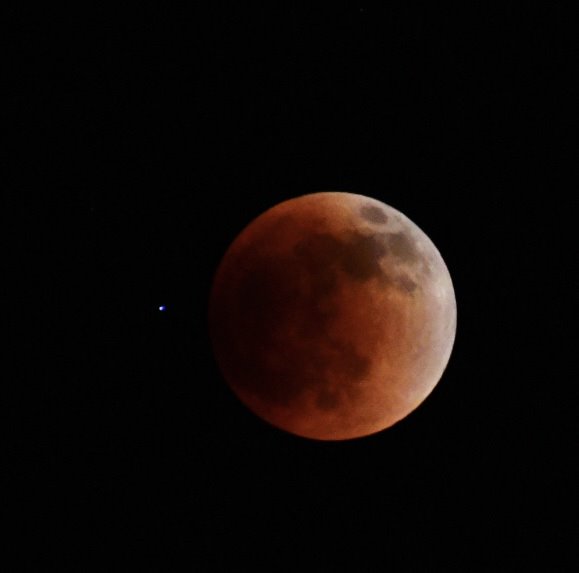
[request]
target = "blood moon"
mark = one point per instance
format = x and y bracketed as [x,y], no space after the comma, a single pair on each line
[332,316]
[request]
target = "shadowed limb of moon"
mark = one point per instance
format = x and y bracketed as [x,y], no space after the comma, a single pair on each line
[332,316]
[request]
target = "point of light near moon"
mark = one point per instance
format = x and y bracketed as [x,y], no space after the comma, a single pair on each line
[332,316]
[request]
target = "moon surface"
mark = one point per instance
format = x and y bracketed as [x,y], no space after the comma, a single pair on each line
[332,316]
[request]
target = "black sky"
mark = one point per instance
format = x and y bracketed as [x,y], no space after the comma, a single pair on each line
[150,138]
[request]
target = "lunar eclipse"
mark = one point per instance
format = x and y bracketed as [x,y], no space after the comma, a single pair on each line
[332,316]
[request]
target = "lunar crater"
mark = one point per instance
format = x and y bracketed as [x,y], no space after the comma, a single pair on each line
[374,214]
[357,254]
[406,283]
[403,247]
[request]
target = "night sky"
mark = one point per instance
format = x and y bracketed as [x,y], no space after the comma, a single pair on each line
[151,137]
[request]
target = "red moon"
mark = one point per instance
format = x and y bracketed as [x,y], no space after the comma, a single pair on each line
[332,316]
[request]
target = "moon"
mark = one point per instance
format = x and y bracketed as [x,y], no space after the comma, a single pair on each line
[332,316]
